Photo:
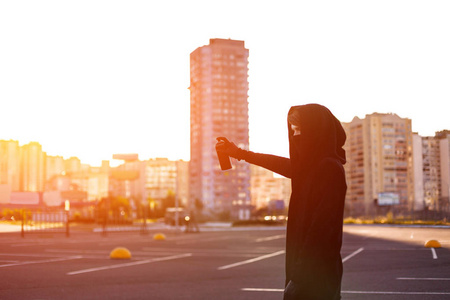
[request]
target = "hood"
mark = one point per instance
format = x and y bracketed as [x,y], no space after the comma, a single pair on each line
[322,135]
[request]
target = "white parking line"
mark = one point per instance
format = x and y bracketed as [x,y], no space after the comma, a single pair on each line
[28,255]
[433,252]
[141,262]
[261,290]
[432,279]
[351,255]
[355,292]
[41,261]
[190,241]
[29,245]
[249,261]
[270,238]
[275,254]
[394,293]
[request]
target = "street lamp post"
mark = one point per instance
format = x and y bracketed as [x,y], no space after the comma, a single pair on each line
[67,209]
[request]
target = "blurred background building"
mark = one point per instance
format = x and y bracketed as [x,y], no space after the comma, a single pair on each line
[219,107]
[391,169]
[32,167]
[266,187]
[156,183]
[10,164]
[431,172]
[379,154]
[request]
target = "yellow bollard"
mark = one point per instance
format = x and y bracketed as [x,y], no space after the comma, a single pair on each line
[432,244]
[159,237]
[120,253]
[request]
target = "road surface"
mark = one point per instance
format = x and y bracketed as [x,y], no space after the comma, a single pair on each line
[380,262]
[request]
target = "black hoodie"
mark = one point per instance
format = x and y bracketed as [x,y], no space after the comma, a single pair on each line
[315,218]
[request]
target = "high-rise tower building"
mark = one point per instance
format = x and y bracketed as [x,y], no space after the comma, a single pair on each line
[219,107]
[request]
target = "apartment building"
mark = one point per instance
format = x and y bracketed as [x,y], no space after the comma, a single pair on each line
[32,168]
[72,165]
[431,171]
[426,172]
[54,166]
[265,187]
[10,164]
[380,163]
[444,150]
[160,178]
[219,107]
[153,179]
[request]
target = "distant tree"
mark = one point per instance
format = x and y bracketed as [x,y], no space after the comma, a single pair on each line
[261,212]
[169,201]
[198,205]
[120,204]
[119,207]
[224,215]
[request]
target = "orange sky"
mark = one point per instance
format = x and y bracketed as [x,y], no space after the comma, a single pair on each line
[93,78]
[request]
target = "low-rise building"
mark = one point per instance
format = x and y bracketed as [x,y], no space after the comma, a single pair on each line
[265,187]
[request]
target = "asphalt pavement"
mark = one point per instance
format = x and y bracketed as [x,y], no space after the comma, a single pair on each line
[380,262]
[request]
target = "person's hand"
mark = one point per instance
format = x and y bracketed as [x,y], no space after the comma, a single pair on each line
[226,147]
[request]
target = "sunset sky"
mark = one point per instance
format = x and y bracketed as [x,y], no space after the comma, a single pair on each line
[93,78]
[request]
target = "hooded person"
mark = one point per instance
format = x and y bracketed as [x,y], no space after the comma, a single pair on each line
[315,218]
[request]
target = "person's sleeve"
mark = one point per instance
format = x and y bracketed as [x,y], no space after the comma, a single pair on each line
[324,237]
[277,164]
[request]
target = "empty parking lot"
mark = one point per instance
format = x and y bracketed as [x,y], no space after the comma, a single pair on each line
[243,263]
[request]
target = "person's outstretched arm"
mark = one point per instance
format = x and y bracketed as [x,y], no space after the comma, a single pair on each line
[277,164]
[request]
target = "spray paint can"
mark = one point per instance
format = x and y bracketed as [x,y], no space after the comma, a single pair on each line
[224,160]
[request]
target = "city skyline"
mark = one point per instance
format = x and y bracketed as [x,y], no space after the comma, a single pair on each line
[388,162]
[117,81]
[119,161]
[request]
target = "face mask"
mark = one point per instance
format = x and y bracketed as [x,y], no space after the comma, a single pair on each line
[301,147]
[298,142]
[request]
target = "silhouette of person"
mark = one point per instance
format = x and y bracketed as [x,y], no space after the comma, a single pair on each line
[314,229]
[191,222]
